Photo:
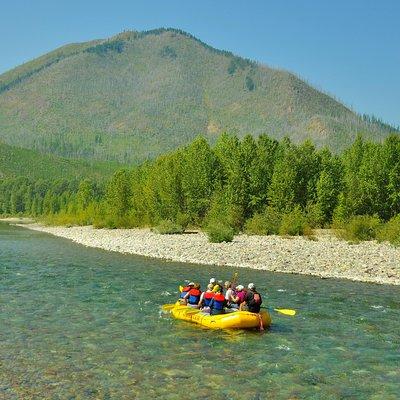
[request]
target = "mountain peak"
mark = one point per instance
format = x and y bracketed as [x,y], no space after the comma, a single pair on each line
[137,94]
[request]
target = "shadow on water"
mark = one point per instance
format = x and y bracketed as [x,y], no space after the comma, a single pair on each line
[81,323]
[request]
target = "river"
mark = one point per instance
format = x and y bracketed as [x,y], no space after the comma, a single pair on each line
[82,323]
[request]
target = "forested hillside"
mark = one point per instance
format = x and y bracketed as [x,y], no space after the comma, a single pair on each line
[261,186]
[17,162]
[140,94]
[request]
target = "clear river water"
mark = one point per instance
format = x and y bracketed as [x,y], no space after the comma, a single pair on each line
[82,323]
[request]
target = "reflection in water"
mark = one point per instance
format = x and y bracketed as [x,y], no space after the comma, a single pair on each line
[79,323]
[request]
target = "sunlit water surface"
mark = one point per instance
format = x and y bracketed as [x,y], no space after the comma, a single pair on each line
[80,323]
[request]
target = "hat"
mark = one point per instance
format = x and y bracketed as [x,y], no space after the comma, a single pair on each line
[191,284]
[212,280]
[239,287]
[251,286]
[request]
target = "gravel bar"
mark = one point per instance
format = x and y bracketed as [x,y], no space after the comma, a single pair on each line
[326,257]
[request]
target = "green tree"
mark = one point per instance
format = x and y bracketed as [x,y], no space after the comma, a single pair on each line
[233,177]
[327,195]
[308,167]
[164,188]
[86,193]
[17,202]
[282,190]
[391,173]
[50,204]
[118,195]
[329,185]
[198,179]
[260,173]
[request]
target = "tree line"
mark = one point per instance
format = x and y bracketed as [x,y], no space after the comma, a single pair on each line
[235,183]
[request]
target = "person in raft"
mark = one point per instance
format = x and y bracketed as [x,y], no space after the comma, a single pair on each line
[218,285]
[184,292]
[252,301]
[192,297]
[218,303]
[240,294]
[206,297]
[230,295]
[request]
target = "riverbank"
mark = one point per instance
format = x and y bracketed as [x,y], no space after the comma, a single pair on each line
[326,257]
[18,220]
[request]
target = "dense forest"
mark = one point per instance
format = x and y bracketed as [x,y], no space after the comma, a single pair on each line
[16,161]
[260,186]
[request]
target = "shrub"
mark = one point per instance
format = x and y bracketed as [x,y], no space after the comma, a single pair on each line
[250,84]
[168,227]
[256,225]
[222,210]
[314,215]
[183,220]
[60,219]
[113,222]
[294,223]
[341,213]
[266,223]
[102,48]
[168,51]
[360,227]
[390,231]
[72,218]
[219,232]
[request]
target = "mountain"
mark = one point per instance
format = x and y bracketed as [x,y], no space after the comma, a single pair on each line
[15,162]
[137,94]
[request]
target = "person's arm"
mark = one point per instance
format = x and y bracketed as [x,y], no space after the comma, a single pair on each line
[187,295]
[211,304]
[235,299]
[232,297]
[244,302]
[201,299]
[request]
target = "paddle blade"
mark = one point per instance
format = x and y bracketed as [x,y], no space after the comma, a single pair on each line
[285,311]
[180,288]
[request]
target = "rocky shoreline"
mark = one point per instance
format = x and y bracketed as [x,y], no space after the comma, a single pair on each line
[326,257]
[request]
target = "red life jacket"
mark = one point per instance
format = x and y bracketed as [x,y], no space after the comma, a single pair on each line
[184,291]
[207,298]
[194,296]
[218,301]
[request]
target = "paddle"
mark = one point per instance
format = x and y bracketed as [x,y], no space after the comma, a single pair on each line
[284,311]
[234,279]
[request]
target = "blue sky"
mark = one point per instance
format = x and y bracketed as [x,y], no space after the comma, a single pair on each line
[350,49]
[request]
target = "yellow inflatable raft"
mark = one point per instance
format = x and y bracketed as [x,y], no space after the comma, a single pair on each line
[230,320]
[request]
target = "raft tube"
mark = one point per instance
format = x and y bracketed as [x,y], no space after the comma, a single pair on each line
[230,320]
